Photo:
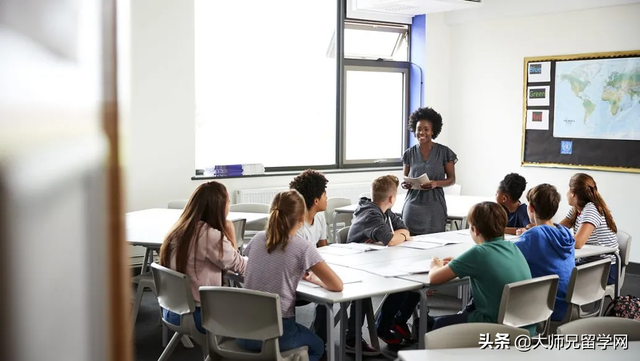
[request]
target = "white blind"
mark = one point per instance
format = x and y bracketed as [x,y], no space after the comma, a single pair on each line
[265,87]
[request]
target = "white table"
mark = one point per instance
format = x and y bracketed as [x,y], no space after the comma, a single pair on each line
[457,207]
[540,353]
[147,228]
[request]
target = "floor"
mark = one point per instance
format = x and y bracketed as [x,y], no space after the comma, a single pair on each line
[148,333]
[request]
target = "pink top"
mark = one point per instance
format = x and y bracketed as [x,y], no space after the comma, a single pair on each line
[209,264]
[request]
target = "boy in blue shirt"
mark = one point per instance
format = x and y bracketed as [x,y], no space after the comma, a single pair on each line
[508,195]
[549,248]
[490,265]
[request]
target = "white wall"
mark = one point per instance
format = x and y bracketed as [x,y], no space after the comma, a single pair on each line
[485,87]
[157,108]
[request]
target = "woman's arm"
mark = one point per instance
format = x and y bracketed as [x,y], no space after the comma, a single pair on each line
[326,277]
[450,171]
[229,259]
[584,232]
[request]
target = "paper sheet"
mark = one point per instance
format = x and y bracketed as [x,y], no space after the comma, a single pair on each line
[417,182]
[339,251]
[432,239]
[419,245]
[364,247]
[385,271]
[346,279]
[416,267]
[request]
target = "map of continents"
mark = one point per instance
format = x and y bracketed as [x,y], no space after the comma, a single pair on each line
[597,99]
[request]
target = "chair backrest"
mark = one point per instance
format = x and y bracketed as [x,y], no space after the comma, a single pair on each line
[260,319]
[173,290]
[332,204]
[342,235]
[453,190]
[250,207]
[179,204]
[528,302]
[602,326]
[260,225]
[588,282]
[624,244]
[239,226]
[467,335]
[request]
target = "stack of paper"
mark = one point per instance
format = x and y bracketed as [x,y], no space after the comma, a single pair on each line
[417,182]
[402,270]
[416,267]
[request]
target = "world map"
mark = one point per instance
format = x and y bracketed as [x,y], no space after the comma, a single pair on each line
[597,99]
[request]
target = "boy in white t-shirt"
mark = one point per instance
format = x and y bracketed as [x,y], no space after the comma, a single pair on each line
[313,187]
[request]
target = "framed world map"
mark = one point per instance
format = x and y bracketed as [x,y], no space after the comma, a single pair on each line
[582,111]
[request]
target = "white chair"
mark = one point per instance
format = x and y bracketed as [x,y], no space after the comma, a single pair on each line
[260,319]
[253,227]
[342,220]
[603,326]
[179,204]
[528,302]
[624,245]
[467,335]
[586,289]
[174,294]
[342,235]
[239,226]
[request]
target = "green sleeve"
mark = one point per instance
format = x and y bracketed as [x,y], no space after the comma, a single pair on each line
[466,264]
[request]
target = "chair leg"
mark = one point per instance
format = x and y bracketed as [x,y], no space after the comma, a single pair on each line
[170,347]
[165,335]
[136,305]
[186,342]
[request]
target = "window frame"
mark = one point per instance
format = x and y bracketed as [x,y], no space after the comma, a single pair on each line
[383,67]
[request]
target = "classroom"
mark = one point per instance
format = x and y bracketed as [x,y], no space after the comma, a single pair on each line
[320,180]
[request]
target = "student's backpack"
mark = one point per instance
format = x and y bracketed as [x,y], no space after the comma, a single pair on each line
[625,307]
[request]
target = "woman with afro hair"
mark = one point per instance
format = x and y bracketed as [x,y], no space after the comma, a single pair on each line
[425,208]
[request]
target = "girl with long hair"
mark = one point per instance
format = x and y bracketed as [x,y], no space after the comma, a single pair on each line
[278,259]
[202,244]
[591,219]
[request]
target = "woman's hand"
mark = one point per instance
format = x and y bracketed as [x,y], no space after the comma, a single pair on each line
[429,185]
[406,185]
[445,261]
[436,262]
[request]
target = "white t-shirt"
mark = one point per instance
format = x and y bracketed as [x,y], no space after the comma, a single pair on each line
[316,231]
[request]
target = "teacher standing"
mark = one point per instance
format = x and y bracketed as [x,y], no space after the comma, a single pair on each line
[425,209]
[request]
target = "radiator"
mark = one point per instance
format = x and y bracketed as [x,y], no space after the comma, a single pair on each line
[266,195]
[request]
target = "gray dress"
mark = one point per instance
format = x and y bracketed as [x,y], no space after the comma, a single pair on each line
[425,211]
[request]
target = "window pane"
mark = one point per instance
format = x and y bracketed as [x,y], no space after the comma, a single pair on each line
[375,108]
[265,88]
[369,44]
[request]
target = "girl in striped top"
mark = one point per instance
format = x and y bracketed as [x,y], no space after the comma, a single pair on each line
[591,220]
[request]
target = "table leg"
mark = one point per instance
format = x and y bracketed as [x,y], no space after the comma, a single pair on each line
[343,330]
[145,260]
[463,223]
[423,317]
[331,351]
[358,330]
[371,324]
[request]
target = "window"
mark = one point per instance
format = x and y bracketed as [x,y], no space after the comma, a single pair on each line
[375,110]
[267,87]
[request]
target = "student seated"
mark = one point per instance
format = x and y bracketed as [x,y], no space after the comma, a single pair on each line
[312,185]
[490,264]
[508,195]
[591,220]
[202,244]
[548,247]
[278,260]
[375,222]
